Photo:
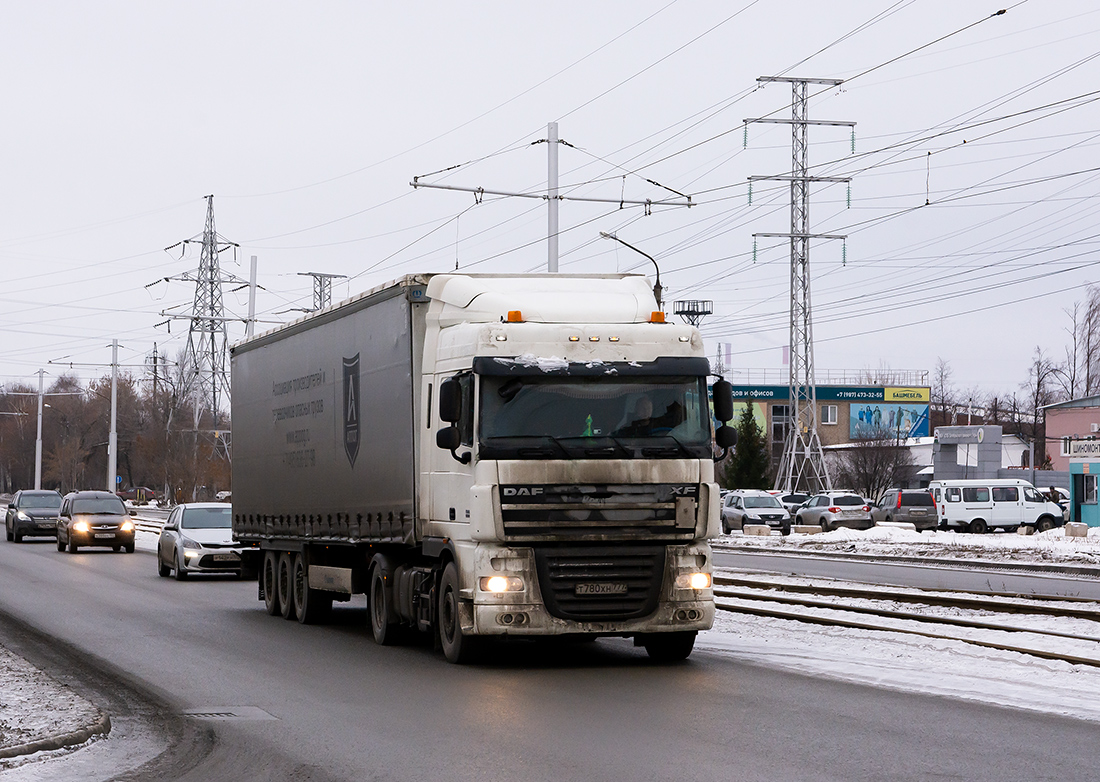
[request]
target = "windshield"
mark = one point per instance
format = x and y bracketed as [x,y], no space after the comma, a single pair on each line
[112,505]
[50,501]
[593,417]
[206,518]
[762,502]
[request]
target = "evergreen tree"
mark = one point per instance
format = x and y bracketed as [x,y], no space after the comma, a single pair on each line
[747,467]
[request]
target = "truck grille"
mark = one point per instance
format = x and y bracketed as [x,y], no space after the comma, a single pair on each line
[600,583]
[598,512]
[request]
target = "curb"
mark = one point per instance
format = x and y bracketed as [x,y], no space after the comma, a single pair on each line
[102,725]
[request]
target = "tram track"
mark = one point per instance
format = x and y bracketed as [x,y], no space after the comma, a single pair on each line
[876,609]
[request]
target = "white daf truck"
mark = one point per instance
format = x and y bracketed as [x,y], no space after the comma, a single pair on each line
[483,456]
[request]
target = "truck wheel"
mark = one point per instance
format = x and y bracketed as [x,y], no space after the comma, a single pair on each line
[286,586]
[977,527]
[382,626]
[271,580]
[669,647]
[311,605]
[457,648]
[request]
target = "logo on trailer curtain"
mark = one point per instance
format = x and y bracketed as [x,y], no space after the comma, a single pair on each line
[351,408]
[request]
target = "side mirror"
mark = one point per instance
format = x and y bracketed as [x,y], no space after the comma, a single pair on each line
[725,437]
[449,439]
[450,401]
[722,393]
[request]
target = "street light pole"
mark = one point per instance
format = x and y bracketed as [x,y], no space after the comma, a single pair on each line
[657,289]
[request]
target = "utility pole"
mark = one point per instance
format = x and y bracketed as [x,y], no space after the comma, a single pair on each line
[322,287]
[553,197]
[38,437]
[112,439]
[802,467]
[250,325]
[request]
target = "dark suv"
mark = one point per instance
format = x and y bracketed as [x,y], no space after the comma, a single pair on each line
[94,518]
[915,506]
[32,512]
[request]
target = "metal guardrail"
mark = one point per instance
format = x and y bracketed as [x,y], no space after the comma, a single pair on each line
[144,521]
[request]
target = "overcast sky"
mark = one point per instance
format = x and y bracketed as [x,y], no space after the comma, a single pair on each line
[307,122]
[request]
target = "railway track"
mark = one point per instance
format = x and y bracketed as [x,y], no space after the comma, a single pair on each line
[1012,623]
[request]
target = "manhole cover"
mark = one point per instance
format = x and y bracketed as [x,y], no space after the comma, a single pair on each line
[229,713]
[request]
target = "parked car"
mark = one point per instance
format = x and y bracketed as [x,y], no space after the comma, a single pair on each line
[836,509]
[94,518]
[139,495]
[197,538]
[32,512]
[791,502]
[750,506]
[982,505]
[914,506]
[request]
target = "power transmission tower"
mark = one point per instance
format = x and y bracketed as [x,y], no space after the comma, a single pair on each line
[207,343]
[322,288]
[802,467]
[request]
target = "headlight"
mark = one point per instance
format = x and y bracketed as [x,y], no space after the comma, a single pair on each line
[501,584]
[126,526]
[22,516]
[81,526]
[188,543]
[693,581]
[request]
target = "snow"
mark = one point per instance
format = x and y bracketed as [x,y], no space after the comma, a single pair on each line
[544,363]
[916,664]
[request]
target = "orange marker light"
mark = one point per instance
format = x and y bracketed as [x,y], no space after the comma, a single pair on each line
[657,317]
[515,316]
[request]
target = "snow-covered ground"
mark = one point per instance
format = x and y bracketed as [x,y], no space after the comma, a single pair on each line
[915,664]
[1052,547]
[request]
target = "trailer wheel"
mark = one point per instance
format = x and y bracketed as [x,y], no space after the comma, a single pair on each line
[286,585]
[382,624]
[669,647]
[311,605]
[457,648]
[271,580]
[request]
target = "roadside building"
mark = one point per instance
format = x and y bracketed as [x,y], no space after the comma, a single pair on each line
[1072,430]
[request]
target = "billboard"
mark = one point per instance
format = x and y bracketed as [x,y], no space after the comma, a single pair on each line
[869,420]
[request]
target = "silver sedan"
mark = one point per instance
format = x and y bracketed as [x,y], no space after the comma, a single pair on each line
[198,538]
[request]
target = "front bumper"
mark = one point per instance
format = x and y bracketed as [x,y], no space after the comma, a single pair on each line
[103,538]
[35,527]
[207,560]
[525,612]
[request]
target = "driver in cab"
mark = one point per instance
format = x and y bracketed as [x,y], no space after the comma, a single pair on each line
[640,422]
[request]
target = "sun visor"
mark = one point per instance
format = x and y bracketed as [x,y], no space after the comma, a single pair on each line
[543,298]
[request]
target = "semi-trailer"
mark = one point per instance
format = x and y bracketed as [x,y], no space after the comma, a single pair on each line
[484,456]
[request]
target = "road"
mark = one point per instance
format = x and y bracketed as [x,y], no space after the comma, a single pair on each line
[325,703]
[972,579]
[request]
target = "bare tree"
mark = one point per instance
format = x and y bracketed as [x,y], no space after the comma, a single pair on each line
[945,397]
[871,466]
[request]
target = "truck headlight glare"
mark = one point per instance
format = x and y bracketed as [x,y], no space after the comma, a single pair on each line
[693,581]
[501,584]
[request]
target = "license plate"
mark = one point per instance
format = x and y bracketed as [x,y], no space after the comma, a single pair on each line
[105,534]
[600,589]
[226,557]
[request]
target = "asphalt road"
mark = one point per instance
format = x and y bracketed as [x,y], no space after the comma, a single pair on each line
[325,703]
[965,578]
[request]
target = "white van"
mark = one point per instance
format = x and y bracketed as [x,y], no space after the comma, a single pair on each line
[980,506]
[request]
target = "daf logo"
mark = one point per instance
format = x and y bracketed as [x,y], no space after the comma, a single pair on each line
[683,491]
[522,491]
